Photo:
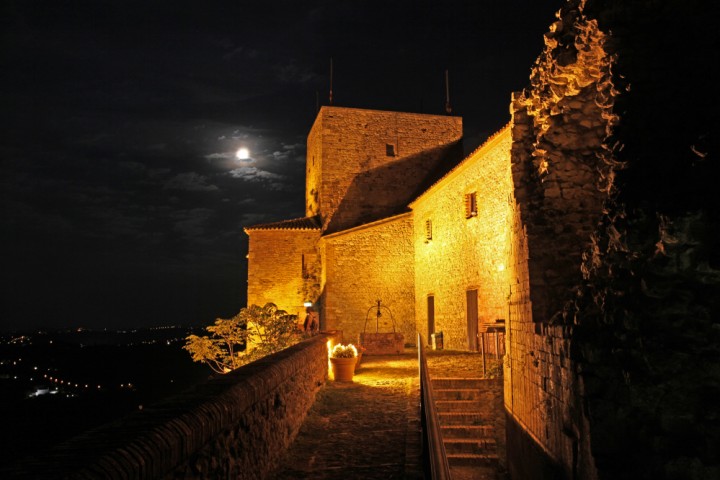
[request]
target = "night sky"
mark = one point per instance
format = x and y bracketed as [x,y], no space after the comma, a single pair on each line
[122,199]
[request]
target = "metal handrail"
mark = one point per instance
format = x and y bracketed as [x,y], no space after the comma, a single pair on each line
[434,455]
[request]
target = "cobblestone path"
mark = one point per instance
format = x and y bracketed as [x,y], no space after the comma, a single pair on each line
[370,429]
[367,429]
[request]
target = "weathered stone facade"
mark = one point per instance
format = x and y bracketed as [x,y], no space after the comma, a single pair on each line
[613,251]
[363,169]
[469,248]
[364,165]
[561,179]
[284,265]
[365,264]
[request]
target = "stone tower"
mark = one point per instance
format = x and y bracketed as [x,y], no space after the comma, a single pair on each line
[364,165]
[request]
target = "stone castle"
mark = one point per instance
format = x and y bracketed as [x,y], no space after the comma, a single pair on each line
[567,225]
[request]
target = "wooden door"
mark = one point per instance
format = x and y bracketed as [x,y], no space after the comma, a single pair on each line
[472,319]
[430,317]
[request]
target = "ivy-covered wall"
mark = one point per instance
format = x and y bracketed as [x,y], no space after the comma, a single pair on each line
[614,344]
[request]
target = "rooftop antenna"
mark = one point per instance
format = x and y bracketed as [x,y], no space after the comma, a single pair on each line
[331,79]
[448,108]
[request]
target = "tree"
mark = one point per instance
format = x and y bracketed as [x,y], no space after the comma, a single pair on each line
[251,334]
[269,329]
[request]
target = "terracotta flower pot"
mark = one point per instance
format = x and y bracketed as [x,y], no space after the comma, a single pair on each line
[343,368]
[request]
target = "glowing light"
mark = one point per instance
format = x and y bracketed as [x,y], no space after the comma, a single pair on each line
[501,267]
[307,304]
[242,154]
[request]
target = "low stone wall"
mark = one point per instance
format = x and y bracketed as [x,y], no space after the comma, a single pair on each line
[234,426]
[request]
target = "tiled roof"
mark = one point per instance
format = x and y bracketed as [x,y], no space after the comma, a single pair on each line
[305,223]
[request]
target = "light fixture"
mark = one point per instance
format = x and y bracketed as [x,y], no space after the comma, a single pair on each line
[307,304]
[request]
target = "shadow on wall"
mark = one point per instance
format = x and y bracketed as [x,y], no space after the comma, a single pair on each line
[387,190]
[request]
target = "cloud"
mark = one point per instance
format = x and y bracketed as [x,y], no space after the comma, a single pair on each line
[220,156]
[290,151]
[191,182]
[254,174]
[277,155]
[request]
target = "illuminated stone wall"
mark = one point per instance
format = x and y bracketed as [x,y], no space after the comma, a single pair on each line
[364,165]
[561,178]
[279,264]
[465,253]
[615,270]
[366,264]
[313,168]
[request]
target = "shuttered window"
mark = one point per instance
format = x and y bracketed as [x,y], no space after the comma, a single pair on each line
[470,205]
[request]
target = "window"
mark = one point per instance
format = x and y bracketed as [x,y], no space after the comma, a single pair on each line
[428,230]
[390,150]
[470,205]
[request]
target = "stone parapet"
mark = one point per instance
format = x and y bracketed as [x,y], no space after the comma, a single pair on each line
[233,426]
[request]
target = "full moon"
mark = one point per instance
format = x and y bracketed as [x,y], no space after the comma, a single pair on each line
[243,153]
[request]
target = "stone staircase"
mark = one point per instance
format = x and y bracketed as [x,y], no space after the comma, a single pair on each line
[468,414]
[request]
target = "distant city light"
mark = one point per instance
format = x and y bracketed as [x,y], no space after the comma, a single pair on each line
[243,153]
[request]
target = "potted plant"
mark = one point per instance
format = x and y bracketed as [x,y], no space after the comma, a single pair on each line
[343,359]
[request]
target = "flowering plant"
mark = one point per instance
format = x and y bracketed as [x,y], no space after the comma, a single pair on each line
[344,351]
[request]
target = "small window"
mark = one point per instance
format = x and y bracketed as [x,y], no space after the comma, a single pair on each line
[471,205]
[390,150]
[428,230]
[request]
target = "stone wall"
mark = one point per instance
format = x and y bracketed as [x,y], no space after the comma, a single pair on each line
[234,426]
[364,165]
[647,314]
[613,327]
[561,177]
[282,266]
[366,264]
[465,253]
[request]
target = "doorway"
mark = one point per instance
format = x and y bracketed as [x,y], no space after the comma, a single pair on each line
[430,317]
[472,319]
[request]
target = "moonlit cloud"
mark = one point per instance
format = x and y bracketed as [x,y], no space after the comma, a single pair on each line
[254,174]
[220,156]
[191,182]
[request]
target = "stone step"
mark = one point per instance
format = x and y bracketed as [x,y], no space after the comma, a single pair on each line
[474,472]
[456,393]
[464,418]
[469,406]
[484,446]
[467,431]
[470,459]
[459,383]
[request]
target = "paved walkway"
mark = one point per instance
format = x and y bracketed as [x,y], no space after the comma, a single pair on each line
[370,428]
[367,429]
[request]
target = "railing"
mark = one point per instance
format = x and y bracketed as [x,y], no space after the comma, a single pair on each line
[434,456]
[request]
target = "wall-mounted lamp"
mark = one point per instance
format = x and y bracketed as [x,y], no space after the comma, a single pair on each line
[307,304]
